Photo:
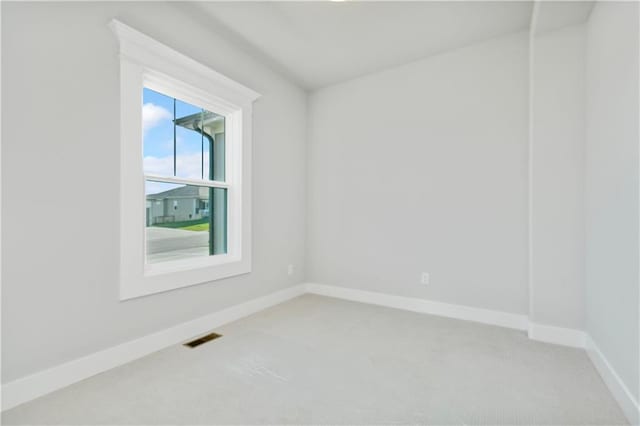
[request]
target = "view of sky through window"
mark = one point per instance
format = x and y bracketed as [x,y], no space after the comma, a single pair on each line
[192,150]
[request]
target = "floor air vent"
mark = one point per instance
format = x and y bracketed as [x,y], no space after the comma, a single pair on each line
[203,339]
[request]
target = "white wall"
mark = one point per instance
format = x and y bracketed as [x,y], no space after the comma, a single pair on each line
[424,168]
[557,178]
[60,177]
[612,186]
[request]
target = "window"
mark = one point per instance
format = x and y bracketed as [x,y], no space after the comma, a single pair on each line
[184,141]
[185,169]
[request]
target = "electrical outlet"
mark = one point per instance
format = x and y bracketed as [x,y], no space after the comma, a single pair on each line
[424,278]
[290,269]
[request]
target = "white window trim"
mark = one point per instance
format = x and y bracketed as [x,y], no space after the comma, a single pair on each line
[145,62]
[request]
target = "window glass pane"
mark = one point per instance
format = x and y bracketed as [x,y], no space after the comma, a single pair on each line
[189,142]
[184,221]
[157,126]
[181,139]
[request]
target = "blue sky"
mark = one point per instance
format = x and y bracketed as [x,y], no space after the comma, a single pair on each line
[157,115]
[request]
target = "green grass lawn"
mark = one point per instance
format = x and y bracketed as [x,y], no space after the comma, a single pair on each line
[188,225]
[198,227]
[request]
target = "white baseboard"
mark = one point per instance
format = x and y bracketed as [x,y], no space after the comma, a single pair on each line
[44,382]
[621,393]
[540,332]
[485,316]
[557,335]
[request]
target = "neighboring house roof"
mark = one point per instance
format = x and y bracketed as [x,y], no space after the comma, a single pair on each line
[181,192]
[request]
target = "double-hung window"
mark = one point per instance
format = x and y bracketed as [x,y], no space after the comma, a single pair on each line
[184,160]
[185,170]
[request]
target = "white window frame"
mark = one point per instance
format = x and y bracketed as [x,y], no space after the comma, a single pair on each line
[145,62]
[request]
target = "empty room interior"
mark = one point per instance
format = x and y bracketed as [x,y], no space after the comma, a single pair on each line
[322,212]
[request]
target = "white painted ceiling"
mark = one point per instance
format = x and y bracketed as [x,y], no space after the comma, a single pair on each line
[321,43]
[317,44]
[552,15]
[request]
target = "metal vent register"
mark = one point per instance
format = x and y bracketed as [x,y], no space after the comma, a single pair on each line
[204,339]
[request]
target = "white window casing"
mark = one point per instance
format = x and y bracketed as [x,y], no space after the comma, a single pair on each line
[145,62]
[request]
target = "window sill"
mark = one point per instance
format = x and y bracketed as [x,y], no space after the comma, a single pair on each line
[183,265]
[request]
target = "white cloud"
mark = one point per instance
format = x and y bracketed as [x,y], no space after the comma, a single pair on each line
[153,114]
[189,166]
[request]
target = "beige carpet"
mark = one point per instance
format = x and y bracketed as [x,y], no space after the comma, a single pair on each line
[322,360]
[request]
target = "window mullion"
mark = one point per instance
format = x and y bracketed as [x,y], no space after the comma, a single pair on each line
[175,145]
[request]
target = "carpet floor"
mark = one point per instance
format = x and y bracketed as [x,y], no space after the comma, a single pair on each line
[321,360]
